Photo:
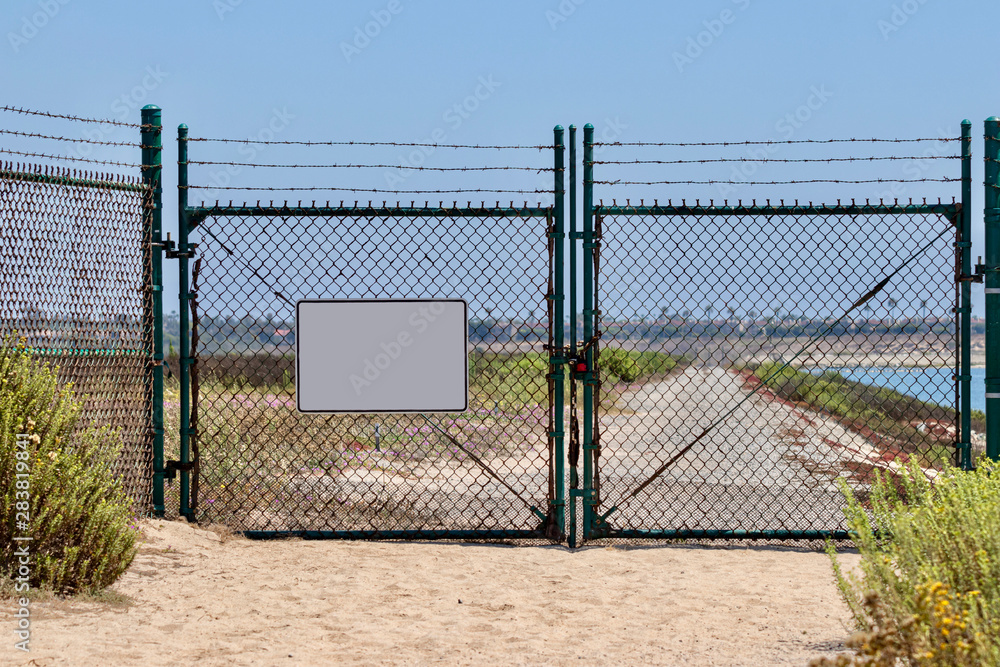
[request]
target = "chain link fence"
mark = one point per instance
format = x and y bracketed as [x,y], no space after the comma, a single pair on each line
[265,468]
[735,390]
[753,357]
[74,285]
[76,272]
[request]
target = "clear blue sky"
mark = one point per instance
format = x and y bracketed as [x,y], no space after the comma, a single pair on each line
[229,68]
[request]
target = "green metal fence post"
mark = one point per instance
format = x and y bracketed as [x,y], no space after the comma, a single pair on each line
[185,297]
[965,307]
[557,357]
[151,140]
[589,315]
[574,475]
[572,235]
[991,222]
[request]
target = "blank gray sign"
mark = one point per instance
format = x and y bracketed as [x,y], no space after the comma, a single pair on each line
[394,355]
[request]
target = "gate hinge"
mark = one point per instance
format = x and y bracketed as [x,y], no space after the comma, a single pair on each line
[977,276]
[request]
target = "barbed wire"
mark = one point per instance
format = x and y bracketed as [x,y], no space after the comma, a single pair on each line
[795,182]
[772,142]
[372,190]
[46,114]
[751,159]
[35,135]
[368,143]
[73,159]
[538,170]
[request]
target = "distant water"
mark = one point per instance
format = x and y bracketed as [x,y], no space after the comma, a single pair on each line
[928,384]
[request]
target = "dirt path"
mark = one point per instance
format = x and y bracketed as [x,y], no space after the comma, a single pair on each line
[199,600]
[768,466]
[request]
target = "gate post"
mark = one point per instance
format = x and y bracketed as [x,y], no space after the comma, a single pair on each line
[589,314]
[991,222]
[965,307]
[574,442]
[151,140]
[183,252]
[557,360]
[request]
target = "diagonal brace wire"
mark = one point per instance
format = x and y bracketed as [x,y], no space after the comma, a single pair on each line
[485,467]
[812,342]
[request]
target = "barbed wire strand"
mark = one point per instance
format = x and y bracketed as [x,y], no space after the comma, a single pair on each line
[371,166]
[751,159]
[797,182]
[99,121]
[73,159]
[372,190]
[35,135]
[772,142]
[368,143]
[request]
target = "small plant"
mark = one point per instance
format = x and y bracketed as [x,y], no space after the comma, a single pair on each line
[80,523]
[929,589]
[629,365]
[617,362]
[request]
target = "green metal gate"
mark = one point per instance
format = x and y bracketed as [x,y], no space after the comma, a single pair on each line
[715,357]
[733,422]
[250,460]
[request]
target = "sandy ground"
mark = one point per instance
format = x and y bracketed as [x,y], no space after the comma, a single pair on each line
[196,598]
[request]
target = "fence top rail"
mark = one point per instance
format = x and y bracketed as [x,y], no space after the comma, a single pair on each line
[72,178]
[196,214]
[710,209]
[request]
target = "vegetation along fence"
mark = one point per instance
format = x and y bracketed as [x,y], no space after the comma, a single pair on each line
[685,351]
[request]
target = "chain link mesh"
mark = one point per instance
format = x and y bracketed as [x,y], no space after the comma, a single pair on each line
[262,466]
[698,310]
[72,283]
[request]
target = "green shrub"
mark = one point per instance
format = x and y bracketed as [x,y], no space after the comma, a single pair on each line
[515,379]
[630,365]
[929,586]
[616,361]
[79,520]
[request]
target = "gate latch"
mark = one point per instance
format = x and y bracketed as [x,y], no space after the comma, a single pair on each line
[170,470]
[169,246]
